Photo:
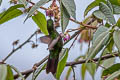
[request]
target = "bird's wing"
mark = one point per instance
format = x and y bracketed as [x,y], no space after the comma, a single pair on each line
[53,42]
[45,39]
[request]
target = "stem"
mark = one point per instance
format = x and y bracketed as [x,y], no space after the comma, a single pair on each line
[99,65]
[73,73]
[74,41]
[85,25]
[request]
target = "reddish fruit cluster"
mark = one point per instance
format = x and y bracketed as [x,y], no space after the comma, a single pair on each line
[49,12]
[53,11]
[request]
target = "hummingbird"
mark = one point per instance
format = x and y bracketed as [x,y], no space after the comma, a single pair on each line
[55,45]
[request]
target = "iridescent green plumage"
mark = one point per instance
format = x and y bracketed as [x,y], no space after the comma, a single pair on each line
[54,52]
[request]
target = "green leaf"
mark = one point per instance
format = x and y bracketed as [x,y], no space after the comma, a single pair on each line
[2,13]
[62,53]
[90,19]
[98,44]
[110,5]
[70,7]
[108,62]
[91,67]
[107,12]
[0,2]
[41,22]
[9,73]
[87,20]
[112,72]
[64,17]
[110,45]
[18,72]
[107,25]
[35,7]
[68,73]
[115,2]
[83,71]
[99,31]
[92,5]
[118,22]
[111,69]
[99,60]
[3,72]
[24,2]
[116,38]
[118,2]
[13,14]
[12,8]
[98,14]
[38,71]
[105,51]
[116,9]
[114,75]
[61,65]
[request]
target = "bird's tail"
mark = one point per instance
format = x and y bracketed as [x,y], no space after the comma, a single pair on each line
[52,65]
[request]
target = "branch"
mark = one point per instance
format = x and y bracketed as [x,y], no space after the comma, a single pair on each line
[73,41]
[19,47]
[95,59]
[85,25]
[108,56]
[73,73]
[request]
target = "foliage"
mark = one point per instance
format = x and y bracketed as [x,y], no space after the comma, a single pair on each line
[40,20]
[101,30]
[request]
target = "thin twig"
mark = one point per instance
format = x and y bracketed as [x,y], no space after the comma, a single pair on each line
[89,41]
[85,25]
[36,38]
[74,41]
[73,73]
[19,47]
[70,30]
[99,64]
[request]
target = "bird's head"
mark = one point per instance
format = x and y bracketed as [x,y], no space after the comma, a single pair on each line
[50,25]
